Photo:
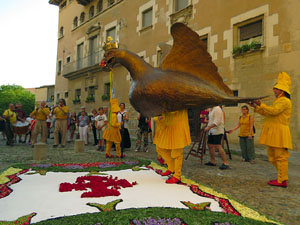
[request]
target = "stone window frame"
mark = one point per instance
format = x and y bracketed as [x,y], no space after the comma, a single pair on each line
[110,26]
[99,6]
[106,89]
[110,29]
[91,12]
[143,19]
[57,96]
[212,39]
[110,2]
[82,18]
[77,93]
[150,4]
[75,22]
[61,32]
[59,67]
[235,94]
[68,59]
[91,91]
[189,2]
[203,37]
[66,94]
[236,28]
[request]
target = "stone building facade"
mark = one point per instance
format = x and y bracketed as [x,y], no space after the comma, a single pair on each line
[43,93]
[250,43]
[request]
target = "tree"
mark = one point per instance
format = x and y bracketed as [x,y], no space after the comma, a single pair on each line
[16,94]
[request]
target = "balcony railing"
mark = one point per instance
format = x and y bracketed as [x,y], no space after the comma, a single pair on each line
[84,62]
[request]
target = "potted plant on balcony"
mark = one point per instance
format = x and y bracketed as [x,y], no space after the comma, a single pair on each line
[236,51]
[245,48]
[76,101]
[255,45]
[105,97]
[90,98]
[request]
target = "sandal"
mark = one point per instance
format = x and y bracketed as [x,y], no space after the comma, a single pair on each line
[224,167]
[252,161]
[210,164]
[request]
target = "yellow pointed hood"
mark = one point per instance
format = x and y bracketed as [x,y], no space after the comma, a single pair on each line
[283,82]
[115,105]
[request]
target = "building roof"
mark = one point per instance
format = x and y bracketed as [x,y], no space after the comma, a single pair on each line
[81,2]
[55,2]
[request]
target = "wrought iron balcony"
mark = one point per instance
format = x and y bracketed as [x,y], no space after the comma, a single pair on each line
[82,64]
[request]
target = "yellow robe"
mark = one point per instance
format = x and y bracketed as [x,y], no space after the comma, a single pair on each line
[276,130]
[159,126]
[175,133]
[112,132]
[173,136]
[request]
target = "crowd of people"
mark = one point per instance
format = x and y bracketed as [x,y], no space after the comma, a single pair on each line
[172,131]
[66,126]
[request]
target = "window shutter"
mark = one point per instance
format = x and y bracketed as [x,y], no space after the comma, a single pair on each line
[251,30]
[147,18]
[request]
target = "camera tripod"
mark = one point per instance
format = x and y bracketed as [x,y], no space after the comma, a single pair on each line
[201,140]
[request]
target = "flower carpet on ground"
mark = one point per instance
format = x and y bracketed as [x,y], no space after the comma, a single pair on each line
[121,192]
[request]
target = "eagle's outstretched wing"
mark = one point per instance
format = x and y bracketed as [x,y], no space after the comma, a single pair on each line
[189,55]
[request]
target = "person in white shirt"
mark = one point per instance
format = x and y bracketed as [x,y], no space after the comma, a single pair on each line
[215,129]
[100,124]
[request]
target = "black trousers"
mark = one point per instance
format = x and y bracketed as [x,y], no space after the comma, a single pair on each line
[95,135]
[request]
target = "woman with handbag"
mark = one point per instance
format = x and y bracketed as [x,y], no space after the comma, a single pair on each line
[246,125]
[123,118]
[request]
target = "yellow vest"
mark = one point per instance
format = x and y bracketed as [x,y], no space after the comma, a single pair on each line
[59,114]
[276,130]
[13,118]
[41,113]
[245,126]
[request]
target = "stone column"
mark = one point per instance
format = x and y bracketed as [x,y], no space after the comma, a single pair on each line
[40,151]
[79,145]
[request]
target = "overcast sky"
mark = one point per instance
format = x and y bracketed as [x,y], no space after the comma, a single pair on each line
[28,40]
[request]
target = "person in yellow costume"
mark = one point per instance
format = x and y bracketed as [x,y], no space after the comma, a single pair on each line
[175,135]
[276,131]
[10,118]
[112,133]
[159,126]
[61,111]
[41,114]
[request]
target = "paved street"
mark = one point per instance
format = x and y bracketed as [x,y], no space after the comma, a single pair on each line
[243,181]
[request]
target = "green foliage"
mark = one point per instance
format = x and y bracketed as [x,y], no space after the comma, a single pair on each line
[236,50]
[121,217]
[76,101]
[255,45]
[105,97]
[16,94]
[106,207]
[90,98]
[245,48]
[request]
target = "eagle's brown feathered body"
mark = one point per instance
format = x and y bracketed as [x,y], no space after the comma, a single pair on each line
[186,79]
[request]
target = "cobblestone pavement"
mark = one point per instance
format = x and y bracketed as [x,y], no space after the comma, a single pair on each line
[244,182]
